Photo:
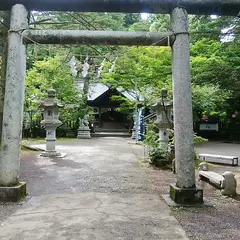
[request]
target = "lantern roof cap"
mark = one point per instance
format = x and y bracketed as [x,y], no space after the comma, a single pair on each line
[51,100]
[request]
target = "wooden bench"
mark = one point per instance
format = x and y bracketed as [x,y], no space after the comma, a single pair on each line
[219,159]
[213,178]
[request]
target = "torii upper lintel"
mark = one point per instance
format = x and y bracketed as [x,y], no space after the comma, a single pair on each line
[199,7]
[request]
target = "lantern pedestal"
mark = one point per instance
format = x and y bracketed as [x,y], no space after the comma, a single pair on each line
[84,132]
[51,139]
[50,143]
[134,130]
[163,135]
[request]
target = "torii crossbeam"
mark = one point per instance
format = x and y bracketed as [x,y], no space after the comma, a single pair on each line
[201,7]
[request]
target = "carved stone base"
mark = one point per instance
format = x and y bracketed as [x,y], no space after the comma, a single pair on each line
[84,133]
[186,195]
[14,193]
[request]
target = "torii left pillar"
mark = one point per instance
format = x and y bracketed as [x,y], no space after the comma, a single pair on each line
[10,187]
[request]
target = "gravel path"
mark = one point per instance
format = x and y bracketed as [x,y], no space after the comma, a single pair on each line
[220,222]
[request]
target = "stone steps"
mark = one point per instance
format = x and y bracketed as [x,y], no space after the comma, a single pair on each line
[109,130]
[111,134]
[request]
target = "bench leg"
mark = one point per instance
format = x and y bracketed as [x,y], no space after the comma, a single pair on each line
[233,162]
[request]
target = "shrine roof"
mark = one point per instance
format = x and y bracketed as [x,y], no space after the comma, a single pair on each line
[98,89]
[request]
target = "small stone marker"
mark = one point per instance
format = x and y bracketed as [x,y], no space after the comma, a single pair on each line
[213,178]
[229,184]
[203,166]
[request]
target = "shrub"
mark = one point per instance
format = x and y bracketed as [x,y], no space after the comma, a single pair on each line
[159,157]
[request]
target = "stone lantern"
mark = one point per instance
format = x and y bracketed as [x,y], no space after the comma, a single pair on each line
[50,122]
[163,111]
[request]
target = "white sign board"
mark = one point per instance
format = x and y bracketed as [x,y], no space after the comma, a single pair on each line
[209,127]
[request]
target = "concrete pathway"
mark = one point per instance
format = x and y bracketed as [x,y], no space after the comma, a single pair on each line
[97,192]
[219,148]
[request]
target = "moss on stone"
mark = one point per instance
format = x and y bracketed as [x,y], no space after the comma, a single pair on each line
[14,193]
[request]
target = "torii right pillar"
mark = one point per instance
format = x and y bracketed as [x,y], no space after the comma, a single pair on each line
[184,191]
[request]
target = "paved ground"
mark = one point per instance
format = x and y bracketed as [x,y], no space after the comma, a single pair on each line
[98,191]
[219,148]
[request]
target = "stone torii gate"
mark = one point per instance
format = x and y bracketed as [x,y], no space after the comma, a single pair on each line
[184,191]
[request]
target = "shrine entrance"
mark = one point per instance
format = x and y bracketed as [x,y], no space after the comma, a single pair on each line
[185,190]
[105,109]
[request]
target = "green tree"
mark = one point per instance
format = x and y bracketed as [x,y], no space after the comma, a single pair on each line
[141,72]
[160,22]
[209,100]
[53,73]
[215,28]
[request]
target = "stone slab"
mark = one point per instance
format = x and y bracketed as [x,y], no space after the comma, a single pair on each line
[13,194]
[53,154]
[214,178]
[171,203]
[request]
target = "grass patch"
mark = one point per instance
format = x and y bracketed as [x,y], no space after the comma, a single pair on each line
[28,148]
[42,140]
[142,164]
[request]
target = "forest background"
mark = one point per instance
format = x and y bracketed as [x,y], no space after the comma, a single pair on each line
[215,66]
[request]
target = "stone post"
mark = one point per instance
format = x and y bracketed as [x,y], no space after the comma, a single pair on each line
[184,191]
[134,130]
[100,117]
[50,123]
[134,125]
[139,124]
[163,112]
[11,189]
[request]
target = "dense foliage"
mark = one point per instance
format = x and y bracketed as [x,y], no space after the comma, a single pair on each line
[141,71]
